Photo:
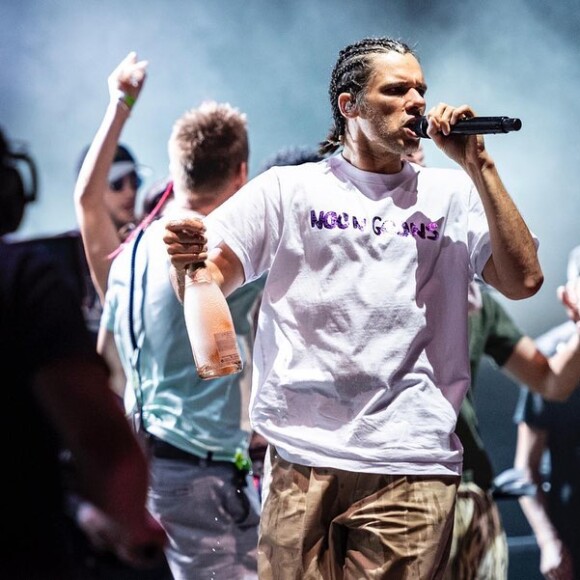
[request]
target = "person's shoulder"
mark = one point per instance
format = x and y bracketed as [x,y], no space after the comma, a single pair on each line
[301,168]
[285,176]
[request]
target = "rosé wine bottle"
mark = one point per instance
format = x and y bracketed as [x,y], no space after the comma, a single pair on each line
[209,325]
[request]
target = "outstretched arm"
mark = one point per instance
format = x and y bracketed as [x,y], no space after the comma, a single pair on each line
[557,377]
[513,269]
[99,233]
[554,378]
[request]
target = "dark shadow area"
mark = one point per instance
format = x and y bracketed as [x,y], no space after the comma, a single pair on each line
[496,397]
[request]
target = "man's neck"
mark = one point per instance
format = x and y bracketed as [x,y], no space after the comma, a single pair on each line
[367,159]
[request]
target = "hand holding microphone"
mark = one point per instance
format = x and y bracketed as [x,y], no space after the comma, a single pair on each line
[473,126]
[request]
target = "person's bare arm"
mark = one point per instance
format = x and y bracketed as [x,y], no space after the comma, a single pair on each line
[554,378]
[99,233]
[513,269]
[555,561]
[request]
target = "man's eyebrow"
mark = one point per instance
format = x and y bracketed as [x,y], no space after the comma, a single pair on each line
[406,85]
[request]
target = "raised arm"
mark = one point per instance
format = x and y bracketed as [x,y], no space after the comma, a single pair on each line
[513,269]
[98,230]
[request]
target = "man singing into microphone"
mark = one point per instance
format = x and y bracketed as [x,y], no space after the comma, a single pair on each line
[361,355]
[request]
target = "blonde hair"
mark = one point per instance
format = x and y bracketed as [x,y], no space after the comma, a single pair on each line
[207,146]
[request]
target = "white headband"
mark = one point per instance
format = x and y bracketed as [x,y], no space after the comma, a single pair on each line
[120,169]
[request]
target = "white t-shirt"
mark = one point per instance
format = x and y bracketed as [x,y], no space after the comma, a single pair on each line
[361,357]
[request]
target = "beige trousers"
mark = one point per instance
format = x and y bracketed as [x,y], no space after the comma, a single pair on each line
[323,523]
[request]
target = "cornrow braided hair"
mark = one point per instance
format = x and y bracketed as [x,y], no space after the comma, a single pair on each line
[350,75]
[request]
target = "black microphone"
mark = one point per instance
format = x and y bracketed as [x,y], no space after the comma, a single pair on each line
[473,126]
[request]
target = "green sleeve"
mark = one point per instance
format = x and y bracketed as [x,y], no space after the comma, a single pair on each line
[503,334]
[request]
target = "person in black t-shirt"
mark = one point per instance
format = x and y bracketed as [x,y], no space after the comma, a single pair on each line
[56,393]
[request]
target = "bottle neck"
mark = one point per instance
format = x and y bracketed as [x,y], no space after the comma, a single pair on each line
[197,273]
[192,268]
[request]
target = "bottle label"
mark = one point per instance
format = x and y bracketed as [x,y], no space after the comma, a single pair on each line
[227,347]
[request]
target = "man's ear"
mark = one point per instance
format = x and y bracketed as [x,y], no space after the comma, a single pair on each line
[347,105]
[242,176]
